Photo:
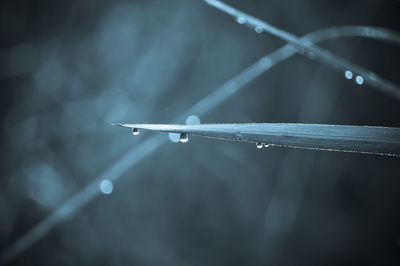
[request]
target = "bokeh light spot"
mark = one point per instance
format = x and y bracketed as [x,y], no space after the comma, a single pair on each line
[193,120]
[106,187]
[174,137]
[348,74]
[359,80]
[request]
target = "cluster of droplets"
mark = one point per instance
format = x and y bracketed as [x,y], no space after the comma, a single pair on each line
[183,138]
[259,145]
[358,79]
[242,20]
[348,74]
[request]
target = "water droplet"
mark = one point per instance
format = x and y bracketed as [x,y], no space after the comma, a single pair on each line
[267,145]
[106,186]
[259,145]
[193,120]
[241,20]
[174,137]
[183,138]
[135,131]
[359,80]
[348,74]
[258,29]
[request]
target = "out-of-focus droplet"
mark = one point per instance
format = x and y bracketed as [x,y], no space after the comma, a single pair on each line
[258,29]
[135,131]
[241,20]
[193,120]
[359,80]
[348,74]
[174,137]
[44,185]
[183,138]
[106,187]
[259,145]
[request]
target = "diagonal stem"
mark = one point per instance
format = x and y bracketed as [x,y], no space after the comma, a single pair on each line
[311,49]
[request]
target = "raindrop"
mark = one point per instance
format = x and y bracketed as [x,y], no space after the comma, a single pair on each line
[183,138]
[359,80]
[258,29]
[174,137]
[106,186]
[241,20]
[259,145]
[135,131]
[348,74]
[267,145]
[193,120]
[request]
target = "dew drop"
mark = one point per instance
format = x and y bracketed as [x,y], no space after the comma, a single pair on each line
[259,145]
[267,145]
[135,131]
[348,74]
[241,20]
[106,186]
[258,29]
[193,120]
[174,137]
[183,138]
[359,80]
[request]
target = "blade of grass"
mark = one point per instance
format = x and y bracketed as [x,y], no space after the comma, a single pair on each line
[312,50]
[343,138]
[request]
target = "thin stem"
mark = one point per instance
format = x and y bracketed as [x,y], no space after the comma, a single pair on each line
[312,50]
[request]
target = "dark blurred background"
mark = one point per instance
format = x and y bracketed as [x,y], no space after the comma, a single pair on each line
[70,68]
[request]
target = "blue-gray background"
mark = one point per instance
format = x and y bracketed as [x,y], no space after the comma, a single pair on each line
[69,69]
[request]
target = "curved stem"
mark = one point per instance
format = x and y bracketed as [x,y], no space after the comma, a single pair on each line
[312,50]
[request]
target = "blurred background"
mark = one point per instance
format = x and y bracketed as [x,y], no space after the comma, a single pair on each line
[68,69]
